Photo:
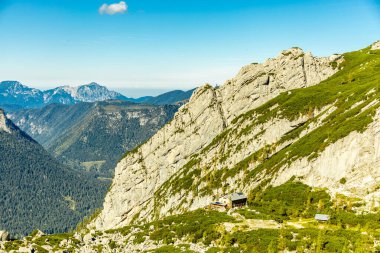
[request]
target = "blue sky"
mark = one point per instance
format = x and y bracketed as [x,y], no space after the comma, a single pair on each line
[162,45]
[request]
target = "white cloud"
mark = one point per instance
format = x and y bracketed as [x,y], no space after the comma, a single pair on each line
[113,8]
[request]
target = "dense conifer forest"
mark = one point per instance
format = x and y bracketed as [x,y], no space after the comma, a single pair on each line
[37,192]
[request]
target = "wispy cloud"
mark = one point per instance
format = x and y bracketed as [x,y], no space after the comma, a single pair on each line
[112,9]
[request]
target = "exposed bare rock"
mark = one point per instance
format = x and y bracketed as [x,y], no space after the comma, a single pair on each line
[209,111]
[376,45]
[4,236]
[355,158]
[3,122]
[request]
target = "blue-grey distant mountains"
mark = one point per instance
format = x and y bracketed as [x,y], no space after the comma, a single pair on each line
[14,96]
[171,97]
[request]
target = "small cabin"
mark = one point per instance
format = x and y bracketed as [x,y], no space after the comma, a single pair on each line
[321,217]
[234,200]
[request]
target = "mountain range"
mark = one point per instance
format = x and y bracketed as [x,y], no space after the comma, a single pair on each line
[93,136]
[14,96]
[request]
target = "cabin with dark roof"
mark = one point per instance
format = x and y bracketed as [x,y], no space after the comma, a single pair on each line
[238,199]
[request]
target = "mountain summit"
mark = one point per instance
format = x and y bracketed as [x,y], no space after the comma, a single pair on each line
[16,94]
[85,93]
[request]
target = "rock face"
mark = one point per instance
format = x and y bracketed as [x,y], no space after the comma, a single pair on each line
[376,46]
[354,158]
[210,111]
[4,236]
[3,122]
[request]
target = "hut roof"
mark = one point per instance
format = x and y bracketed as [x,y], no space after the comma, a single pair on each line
[322,217]
[235,196]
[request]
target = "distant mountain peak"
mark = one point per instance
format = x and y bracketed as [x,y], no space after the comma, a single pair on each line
[15,86]
[10,82]
[91,92]
[93,84]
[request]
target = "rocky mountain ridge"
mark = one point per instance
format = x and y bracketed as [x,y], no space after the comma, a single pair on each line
[141,174]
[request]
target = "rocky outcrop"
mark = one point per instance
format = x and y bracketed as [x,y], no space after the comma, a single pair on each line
[4,236]
[257,83]
[210,111]
[3,122]
[376,45]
